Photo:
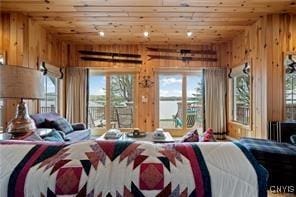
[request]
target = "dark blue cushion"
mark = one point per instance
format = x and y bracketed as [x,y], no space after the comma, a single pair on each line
[62,124]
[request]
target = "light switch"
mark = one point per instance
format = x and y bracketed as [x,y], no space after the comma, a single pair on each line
[144,99]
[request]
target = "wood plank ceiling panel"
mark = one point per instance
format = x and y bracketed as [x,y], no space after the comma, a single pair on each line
[167,21]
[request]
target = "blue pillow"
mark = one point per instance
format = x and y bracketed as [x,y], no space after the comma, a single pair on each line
[62,124]
[54,136]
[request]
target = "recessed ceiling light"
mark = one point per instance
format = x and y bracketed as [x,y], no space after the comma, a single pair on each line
[101,33]
[146,33]
[189,33]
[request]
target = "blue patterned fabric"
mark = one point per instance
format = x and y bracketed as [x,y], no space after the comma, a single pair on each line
[262,173]
[62,124]
[54,136]
[278,158]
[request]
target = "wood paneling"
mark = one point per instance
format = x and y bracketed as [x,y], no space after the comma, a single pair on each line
[25,44]
[264,44]
[145,110]
[167,21]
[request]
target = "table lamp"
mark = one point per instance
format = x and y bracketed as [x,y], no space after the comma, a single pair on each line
[18,82]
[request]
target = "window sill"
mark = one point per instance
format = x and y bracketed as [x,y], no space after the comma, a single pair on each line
[247,127]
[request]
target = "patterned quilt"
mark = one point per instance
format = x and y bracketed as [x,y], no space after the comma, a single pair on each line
[278,158]
[125,168]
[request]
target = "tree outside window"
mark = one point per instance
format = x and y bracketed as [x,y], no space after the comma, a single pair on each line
[290,91]
[241,99]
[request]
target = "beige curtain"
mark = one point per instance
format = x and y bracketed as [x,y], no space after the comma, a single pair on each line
[215,109]
[76,94]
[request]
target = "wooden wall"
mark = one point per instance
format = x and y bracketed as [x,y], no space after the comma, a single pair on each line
[263,44]
[27,44]
[145,110]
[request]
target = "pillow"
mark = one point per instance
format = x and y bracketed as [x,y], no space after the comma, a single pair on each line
[208,136]
[54,136]
[62,124]
[47,124]
[191,136]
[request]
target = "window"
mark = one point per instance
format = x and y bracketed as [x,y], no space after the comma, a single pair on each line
[122,100]
[50,101]
[180,101]
[170,101]
[290,91]
[96,100]
[1,115]
[111,100]
[241,98]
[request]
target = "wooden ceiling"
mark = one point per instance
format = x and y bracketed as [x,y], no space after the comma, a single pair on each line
[124,21]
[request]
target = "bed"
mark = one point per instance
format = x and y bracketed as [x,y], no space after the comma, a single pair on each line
[126,168]
[278,158]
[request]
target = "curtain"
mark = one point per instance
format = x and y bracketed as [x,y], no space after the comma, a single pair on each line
[215,105]
[76,94]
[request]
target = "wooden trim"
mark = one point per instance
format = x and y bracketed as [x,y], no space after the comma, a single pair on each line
[113,70]
[240,125]
[156,119]
[230,97]
[108,101]
[87,97]
[136,100]
[107,111]
[184,74]
[284,55]
[184,100]
[184,69]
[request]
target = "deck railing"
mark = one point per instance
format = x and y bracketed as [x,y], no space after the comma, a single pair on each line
[243,114]
[96,115]
[51,108]
[291,111]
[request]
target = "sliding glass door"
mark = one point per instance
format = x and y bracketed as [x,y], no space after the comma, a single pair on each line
[122,100]
[111,100]
[96,100]
[180,101]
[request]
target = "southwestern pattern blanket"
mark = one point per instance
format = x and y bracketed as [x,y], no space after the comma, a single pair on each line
[125,168]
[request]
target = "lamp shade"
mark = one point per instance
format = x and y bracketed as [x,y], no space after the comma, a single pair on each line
[20,82]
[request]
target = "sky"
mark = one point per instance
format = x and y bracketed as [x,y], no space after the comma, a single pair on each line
[97,84]
[170,85]
[50,86]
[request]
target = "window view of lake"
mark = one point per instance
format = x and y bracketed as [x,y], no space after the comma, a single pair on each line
[171,113]
[170,100]
[168,109]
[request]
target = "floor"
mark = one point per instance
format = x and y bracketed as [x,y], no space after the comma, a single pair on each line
[270,194]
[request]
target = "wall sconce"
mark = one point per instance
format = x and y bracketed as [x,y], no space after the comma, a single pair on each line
[246,68]
[146,82]
[291,64]
[229,74]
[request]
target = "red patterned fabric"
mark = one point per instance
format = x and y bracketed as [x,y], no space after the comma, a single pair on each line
[191,136]
[67,181]
[151,176]
[124,168]
[208,136]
